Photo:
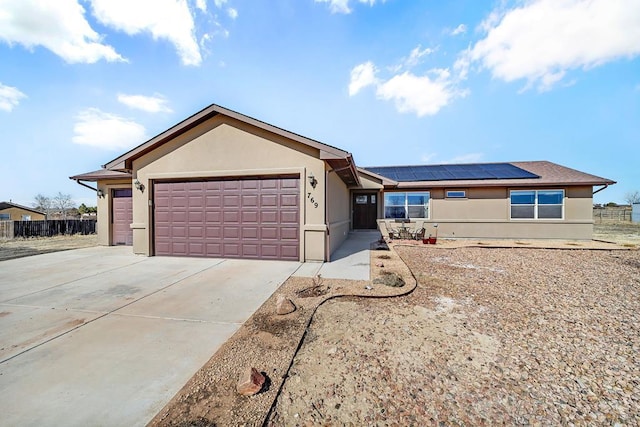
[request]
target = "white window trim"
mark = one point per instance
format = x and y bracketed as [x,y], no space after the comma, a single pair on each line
[406,203]
[536,205]
[464,194]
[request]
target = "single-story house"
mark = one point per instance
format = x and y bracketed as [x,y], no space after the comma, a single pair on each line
[222,184]
[14,212]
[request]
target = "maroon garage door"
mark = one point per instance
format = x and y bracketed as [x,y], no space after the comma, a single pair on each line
[245,218]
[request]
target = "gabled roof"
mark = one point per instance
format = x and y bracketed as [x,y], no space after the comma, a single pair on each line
[7,205]
[340,160]
[101,174]
[539,173]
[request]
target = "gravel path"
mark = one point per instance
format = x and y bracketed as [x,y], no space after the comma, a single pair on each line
[490,336]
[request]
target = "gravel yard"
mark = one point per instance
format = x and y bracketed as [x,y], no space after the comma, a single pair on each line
[490,336]
[19,248]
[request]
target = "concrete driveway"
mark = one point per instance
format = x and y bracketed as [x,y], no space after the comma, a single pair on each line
[99,336]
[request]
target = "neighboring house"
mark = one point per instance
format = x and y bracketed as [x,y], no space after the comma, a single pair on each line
[635,212]
[221,184]
[13,212]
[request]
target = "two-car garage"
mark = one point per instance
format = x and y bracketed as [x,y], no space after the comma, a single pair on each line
[255,218]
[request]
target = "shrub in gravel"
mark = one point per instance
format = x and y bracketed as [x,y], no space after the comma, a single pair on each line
[389,279]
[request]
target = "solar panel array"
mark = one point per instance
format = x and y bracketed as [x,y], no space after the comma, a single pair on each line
[452,172]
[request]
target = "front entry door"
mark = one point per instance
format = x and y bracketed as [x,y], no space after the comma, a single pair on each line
[365,211]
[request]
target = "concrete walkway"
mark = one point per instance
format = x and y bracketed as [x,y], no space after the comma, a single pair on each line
[350,261]
[99,336]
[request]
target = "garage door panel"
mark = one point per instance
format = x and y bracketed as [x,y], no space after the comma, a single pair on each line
[213,200]
[268,200]
[213,217]
[250,233]
[213,232]
[231,216]
[289,217]
[289,233]
[289,251]
[248,218]
[231,249]
[288,200]
[231,232]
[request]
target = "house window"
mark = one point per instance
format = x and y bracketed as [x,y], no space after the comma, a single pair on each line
[456,194]
[537,204]
[5,216]
[406,205]
[26,217]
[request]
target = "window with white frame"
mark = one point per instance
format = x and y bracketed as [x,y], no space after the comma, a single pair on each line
[5,216]
[537,204]
[26,217]
[406,205]
[456,194]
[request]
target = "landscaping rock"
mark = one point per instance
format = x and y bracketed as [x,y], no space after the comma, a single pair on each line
[250,382]
[284,305]
[390,279]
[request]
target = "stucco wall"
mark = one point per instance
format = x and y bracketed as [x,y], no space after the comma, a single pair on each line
[16,214]
[485,213]
[104,204]
[338,212]
[224,147]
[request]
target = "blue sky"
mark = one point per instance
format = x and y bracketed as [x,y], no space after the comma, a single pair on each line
[393,82]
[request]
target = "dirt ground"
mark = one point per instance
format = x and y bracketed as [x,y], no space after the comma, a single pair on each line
[18,248]
[623,233]
[489,336]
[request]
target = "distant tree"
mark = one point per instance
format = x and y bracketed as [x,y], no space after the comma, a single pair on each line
[612,205]
[632,197]
[43,203]
[63,203]
[84,209]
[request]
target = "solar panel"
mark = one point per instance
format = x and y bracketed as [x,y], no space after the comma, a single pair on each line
[453,172]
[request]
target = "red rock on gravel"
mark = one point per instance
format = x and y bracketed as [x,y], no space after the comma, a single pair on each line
[250,382]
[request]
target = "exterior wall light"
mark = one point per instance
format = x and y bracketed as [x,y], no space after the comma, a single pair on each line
[138,185]
[312,180]
[100,193]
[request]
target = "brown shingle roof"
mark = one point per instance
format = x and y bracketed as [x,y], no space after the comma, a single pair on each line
[101,174]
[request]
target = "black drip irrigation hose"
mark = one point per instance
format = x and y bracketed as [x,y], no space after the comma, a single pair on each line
[265,423]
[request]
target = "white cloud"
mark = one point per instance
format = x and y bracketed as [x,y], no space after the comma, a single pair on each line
[362,75]
[416,55]
[342,6]
[150,104]
[9,97]
[233,13]
[108,131]
[59,26]
[163,19]
[219,3]
[466,158]
[202,5]
[428,157]
[544,39]
[421,95]
[460,29]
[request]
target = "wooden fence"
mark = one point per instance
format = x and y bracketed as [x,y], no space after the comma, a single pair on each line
[6,230]
[46,228]
[612,214]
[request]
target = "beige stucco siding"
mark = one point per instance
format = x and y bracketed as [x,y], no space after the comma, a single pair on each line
[485,213]
[224,147]
[338,210]
[15,214]
[104,204]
